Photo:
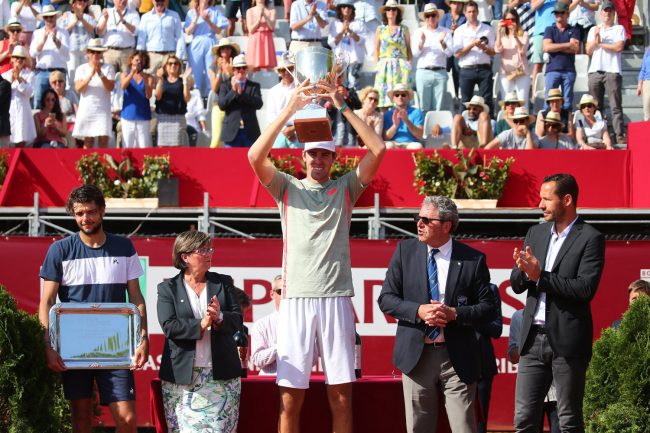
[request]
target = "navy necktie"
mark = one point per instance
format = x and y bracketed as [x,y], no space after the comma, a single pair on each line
[434,292]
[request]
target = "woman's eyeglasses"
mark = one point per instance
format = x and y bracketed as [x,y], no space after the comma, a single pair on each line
[173,64]
[588,105]
[519,121]
[372,98]
[204,251]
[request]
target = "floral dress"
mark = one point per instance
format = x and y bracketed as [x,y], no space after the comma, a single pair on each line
[393,67]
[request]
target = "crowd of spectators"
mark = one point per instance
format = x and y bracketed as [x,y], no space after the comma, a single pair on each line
[146,76]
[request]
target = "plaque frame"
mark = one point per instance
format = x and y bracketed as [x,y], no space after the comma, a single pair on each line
[95,335]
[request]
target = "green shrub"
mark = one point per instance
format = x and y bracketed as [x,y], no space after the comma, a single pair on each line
[617,391]
[31,396]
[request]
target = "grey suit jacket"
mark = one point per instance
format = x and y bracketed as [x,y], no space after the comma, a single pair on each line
[570,286]
[406,287]
[182,330]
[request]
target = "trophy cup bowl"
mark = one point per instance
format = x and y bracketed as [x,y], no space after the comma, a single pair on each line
[319,65]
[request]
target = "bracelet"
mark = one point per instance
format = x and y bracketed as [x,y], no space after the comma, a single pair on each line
[343,107]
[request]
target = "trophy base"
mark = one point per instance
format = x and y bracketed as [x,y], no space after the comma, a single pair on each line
[312,125]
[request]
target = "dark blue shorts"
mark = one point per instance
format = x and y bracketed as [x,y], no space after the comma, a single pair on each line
[233,5]
[113,385]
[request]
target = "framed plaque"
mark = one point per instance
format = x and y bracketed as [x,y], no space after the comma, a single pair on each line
[88,335]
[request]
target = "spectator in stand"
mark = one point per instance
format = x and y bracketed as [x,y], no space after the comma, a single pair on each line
[195,117]
[432,45]
[474,48]
[118,26]
[583,16]
[625,11]
[263,336]
[68,100]
[485,14]
[472,128]
[635,289]
[392,52]
[366,13]
[346,35]
[28,14]
[160,34]
[135,116]
[80,25]
[307,19]
[5,12]
[240,98]
[562,43]
[591,131]
[605,44]
[49,49]
[442,5]
[643,88]
[23,131]
[200,369]
[231,13]
[13,29]
[172,95]
[543,10]
[403,124]
[512,44]
[368,112]
[520,137]
[344,135]
[94,82]
[527,22]
[278,98]
[220,72]
[261,48]
[508,106]
[5,119]
[555,102]
[51,126]
[204,21]
[552,136]
[452,20]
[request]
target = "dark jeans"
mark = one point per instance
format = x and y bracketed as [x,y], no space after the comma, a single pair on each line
[241,140]
[538,367]
[613,83]
[484,393]
[469,77]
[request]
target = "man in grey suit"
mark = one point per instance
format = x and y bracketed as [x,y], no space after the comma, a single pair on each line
[560,267]
[438,289]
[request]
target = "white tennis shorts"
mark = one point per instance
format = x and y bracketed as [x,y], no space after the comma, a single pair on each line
[306,322]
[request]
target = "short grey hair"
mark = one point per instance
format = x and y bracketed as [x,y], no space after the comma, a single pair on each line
[186,243]
[447,210]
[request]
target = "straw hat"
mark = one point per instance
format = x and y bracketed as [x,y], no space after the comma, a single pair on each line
[225,42]
[521,113]
[284,63]
[553,117]
[587,99]
[19,51]
[14,23]
[49,11]
[96,45]
[455,1]
[429,9]
[239,61]
[511,97]
[477,101]
[391,4]
[554,94]
[401,87]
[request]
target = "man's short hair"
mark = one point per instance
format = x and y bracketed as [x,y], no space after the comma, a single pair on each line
[277,278]
[447,210]
[639,286]
[564,184]
[186,243]
[471,3]
[85,194]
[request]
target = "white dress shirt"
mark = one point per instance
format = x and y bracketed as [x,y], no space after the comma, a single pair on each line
[199,305]
[116,35]
[278,98]
[263,344]
[50,56]
[557,240]
[465,35]
[443,259]
[432,54]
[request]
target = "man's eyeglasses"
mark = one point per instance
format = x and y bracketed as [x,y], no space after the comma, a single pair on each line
[519,121]
[240,68]
[14,30]
[588,105]
[204,251]
[400,95]
[431,16]
[553,126]
[425,220]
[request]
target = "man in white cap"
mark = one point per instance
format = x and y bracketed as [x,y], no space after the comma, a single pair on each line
[519,137]
[403,124]
[240,98]
[278,98]
[50,50]
[317,289]
[473,127]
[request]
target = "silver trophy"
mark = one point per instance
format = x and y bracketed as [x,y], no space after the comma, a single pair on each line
[320,65]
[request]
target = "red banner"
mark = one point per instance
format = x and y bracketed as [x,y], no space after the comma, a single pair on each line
[624,263]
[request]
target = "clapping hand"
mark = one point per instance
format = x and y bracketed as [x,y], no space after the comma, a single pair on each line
[312,11]
[396,117]
[527,263]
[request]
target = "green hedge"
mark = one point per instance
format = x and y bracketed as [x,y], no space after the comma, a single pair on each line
[31,396]
[617,392]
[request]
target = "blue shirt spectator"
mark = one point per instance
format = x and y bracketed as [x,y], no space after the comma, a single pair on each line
[544,16]
[161,33]
[403,135]
[644,73]
[447,20]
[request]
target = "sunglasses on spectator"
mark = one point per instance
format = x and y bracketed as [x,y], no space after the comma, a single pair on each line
[278,291]
[204,251]
[398,95]
[588,105]
[430,15]
[512,103]
[390,9]
[426,220]
[519,121]
[14,30]
[240,68]
[553,125]
[373,98]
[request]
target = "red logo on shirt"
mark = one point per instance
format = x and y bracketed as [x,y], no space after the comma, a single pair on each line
[331,192]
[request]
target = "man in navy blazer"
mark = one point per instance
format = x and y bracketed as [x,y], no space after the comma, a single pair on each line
[560,267]
[436,346]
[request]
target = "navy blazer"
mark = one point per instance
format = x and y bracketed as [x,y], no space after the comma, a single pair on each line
[182,329]
[406,287]
[570,286]
[240,109]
